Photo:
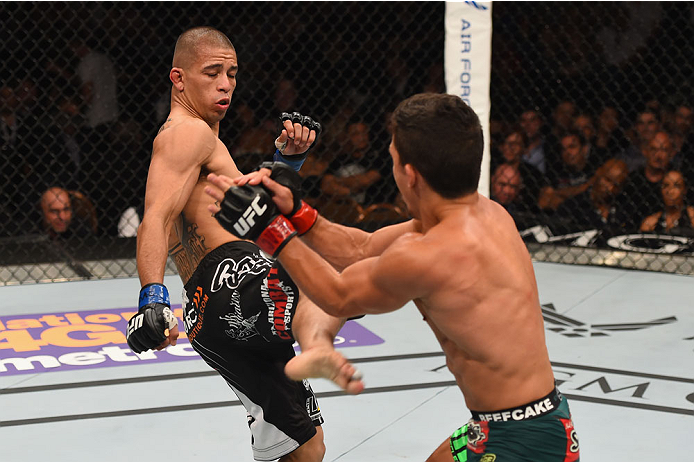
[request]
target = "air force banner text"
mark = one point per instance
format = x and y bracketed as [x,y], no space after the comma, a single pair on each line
[467,64]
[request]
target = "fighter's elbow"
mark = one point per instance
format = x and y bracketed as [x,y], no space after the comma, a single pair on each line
[339,303]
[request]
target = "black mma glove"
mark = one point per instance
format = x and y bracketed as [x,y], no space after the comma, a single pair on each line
[302,216]
[297,160]
[154,316]
[248,212]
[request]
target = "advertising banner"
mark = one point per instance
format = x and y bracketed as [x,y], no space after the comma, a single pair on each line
[467,64]
[76,340]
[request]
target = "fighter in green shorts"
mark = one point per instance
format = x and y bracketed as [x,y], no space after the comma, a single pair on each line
[536,432]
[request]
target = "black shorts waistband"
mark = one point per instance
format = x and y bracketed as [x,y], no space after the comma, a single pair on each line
[217,254]
[532,410]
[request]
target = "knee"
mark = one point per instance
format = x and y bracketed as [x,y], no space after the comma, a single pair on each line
[317,451]
[311,451]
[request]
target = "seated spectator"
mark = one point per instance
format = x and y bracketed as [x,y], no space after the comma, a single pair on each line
[609,138]
[532,124]
[583,124]
[562,118]
[58,218]
[572,175]
[513,151]
[506,189]
[597,207]
[646,125]
[642,193]
[575,167]
[358,172]
[676,217]
[506,185]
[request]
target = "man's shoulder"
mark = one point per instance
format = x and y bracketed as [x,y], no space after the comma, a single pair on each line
[185,136]
[181,130]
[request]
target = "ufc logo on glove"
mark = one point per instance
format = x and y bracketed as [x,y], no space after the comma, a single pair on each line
[246,222]
[135,324]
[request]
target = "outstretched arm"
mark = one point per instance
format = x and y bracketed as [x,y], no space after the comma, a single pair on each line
[370,286]
[376,284]
[340,245]
[343,245]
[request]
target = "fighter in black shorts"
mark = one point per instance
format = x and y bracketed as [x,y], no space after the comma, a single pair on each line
[242,313]
[238,312]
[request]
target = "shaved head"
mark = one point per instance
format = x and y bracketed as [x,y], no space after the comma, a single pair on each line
[57,210]
[193,40]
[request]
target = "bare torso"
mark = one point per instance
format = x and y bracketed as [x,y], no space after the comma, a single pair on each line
[196,232]
[485,282]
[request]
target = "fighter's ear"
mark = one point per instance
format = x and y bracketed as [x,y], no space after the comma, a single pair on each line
[176,77]
[411,174]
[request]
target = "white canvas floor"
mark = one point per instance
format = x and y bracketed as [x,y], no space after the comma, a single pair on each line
[621,342]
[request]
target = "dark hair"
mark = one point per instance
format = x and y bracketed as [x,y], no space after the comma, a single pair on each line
[517,129]
[648,110]
[574,133]
[441,137]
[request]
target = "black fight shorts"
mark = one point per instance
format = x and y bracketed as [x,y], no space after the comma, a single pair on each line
[238,309]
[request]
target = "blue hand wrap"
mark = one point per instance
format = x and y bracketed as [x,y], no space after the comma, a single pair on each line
[295,164]
[154,293]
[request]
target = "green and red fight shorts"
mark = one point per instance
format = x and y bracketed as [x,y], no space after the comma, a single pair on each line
[540,431]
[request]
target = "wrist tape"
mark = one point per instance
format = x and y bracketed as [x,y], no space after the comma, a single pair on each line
[304,218]
[294,162]
[275,236]
[154,293]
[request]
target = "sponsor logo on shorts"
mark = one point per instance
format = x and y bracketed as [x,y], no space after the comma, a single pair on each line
[240,328]
[477,436]
[194,312]
[521,413]
[231,273]
[488,458]
[312,407]
[280,300]
[571,441]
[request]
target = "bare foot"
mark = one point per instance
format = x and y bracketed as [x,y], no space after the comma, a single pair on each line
[327,364]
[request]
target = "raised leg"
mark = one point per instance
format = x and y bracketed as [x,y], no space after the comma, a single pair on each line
[315,331]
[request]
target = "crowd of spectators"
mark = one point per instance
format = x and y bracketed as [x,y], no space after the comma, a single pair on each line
[614,180]
[83,93]
[84,88]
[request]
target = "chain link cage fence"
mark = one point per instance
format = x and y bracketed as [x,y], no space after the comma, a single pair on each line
[591,129]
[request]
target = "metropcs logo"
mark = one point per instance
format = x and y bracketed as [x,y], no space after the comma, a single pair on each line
[78,340]
[570,327]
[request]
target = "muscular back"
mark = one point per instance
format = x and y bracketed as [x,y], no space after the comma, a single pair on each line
[485,309]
